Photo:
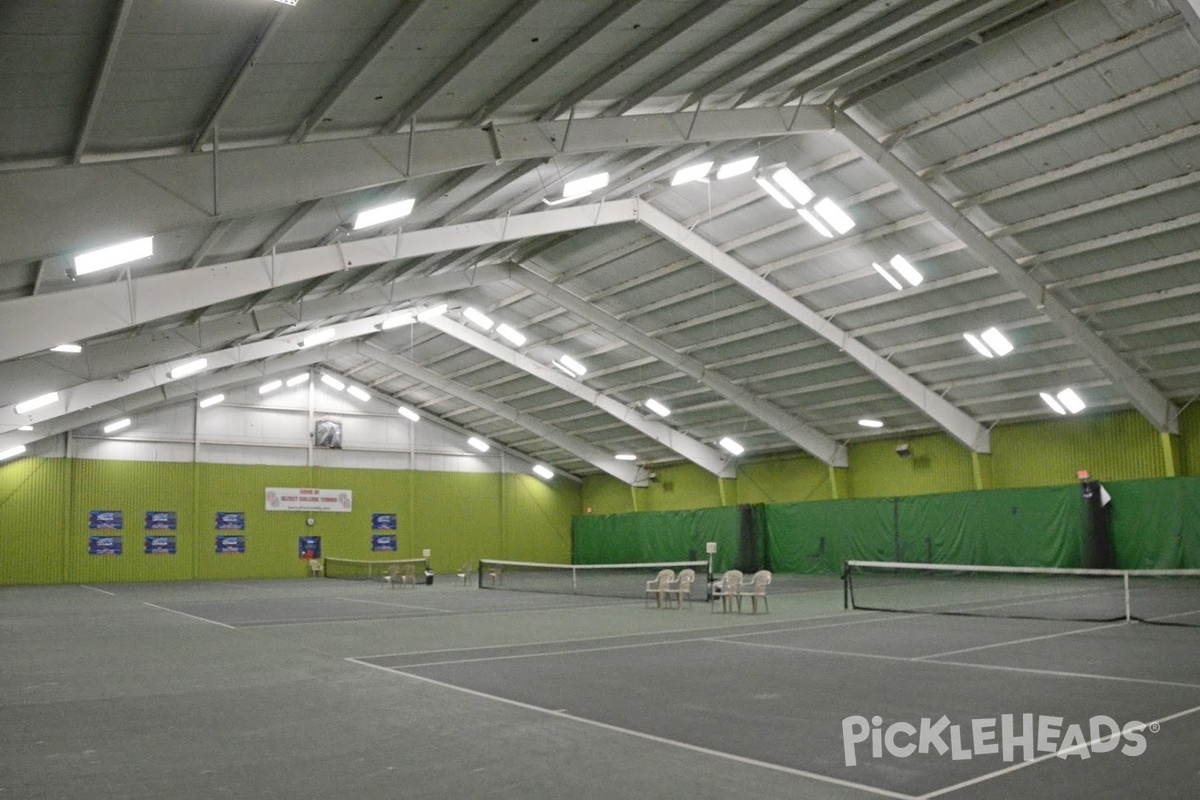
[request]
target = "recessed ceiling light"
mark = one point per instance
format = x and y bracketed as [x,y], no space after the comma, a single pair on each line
[573,365]
[870,423]
[319,337]
[979,346]
[625,457]
[543,471]
[479,444]
[66,348]
[118,425]
[511,333]
[833,214]
[332,382]
[113,255]
[384,213]
[296,380]
[362,395]
[818,226]
[1071,401]
[996,340]
[582,186]
[408,413]
[25,428]
[1051,401]
[731,446]
[693,173]
[479,318]
[208,402]
[38,402]
[732,169]
[190,368]
[269,386]
[657,407]
[791,183]
[906,270]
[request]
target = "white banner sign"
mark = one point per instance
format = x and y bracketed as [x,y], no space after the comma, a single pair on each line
[309,499]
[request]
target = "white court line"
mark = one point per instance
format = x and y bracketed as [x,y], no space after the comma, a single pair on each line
[514,656]
[702,633]
[1021,641]
[191,616]
[394,605]
[997,667]
[1066,750]
[648,736]
[101,591]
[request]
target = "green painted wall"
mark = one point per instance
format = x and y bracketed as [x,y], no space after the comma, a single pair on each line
[44,506]
[1117,446]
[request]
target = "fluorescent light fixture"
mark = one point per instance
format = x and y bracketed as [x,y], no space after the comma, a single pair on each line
[36,403]
[906,270]
[582,186]
[732,169]
[1071,401]
[332,382]
[770,189]
[396,320]
[319,337]
[818,226]
[382,214]
[479,444]
[11,452]
[479,318]
[1050,400]
[212,401]
[888,276]
[120,424]
[693,173]
[190,368]
[67,348]
[114,255]
[511,333]
[433,311]
[731,446]
[573,365]
[791,183]
[296,380]
[870,423]
[409,414]
[625,457]
[25,428]
[287,2]
[996,340]
[269,386]
[354,391]
[979,345]
[543,471]
[657,407]
[831,213]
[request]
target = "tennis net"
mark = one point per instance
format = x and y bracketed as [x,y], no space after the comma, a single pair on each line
[369,570]
[597,580]
[1160,596]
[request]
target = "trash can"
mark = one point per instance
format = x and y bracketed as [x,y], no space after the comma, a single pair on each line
[429,577]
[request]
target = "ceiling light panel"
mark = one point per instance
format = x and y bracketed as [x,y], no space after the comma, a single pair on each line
[113,256]
[384,213]
[691,173]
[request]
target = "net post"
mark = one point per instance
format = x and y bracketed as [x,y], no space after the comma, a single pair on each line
[574,580]
[846,586]
[1128,614]
[479,574]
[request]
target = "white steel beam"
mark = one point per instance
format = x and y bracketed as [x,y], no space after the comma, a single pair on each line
[1153,405]
[823,447]
[30,324]
[59,210]
[698,453]
[595,456]
[951,419]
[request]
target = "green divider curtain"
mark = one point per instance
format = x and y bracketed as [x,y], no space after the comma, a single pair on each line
[1040,527]
[650,536]
[818,537]
[1156,523]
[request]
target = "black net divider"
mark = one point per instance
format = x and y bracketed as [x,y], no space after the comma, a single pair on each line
[370,569]
[1158,596]
[598,580]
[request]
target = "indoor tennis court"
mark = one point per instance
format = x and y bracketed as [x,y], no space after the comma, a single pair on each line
[348,687]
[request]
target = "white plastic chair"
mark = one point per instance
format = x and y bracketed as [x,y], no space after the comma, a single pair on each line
[464,573]
[316,570]
[402,575]
[755,588]
[681,587]
[729,588]
[657,587]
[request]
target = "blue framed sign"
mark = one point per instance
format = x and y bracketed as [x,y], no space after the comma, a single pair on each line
[231,544]
[383,522]
[106,520]
[381,541]
[230,521]
[160,520]
[104,545]
[310,546]
[160,545]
